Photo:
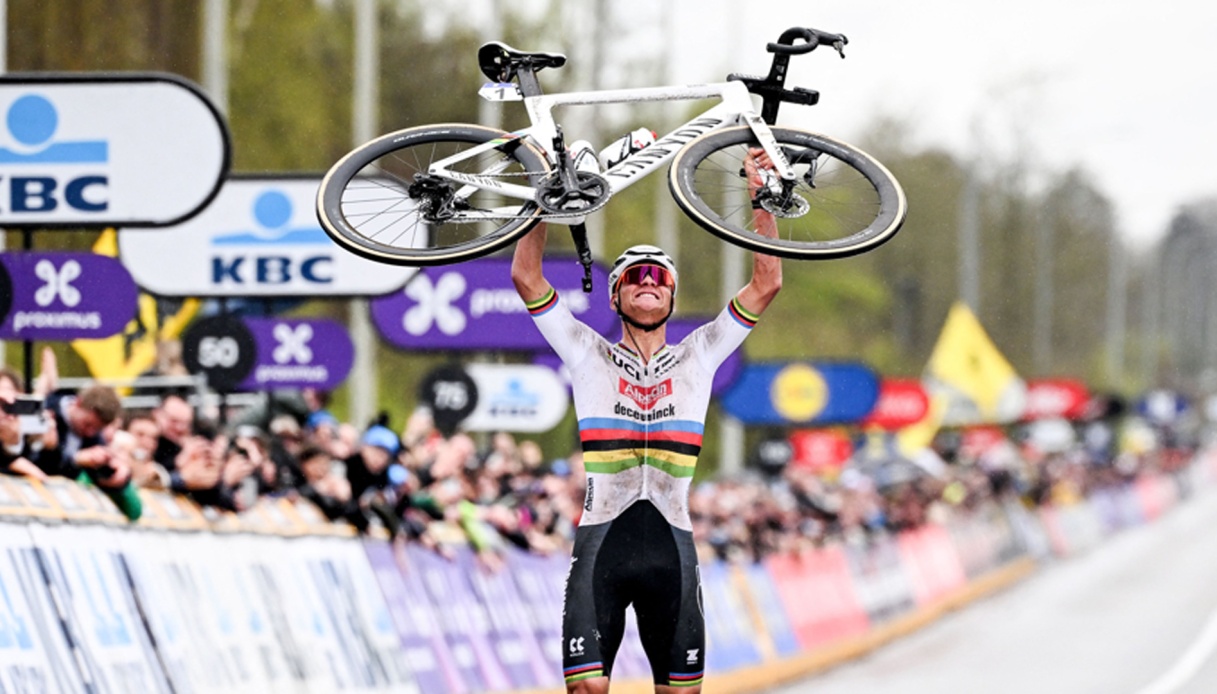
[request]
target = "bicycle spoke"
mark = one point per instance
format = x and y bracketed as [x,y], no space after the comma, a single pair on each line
[834,205]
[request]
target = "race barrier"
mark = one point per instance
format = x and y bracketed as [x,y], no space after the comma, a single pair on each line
[277,599]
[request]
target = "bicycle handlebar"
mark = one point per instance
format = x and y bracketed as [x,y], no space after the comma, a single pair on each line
[811,39]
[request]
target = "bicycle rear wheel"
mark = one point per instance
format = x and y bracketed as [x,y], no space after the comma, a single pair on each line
[381,202]
[841,203]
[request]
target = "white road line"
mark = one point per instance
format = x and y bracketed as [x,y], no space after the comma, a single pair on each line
[1186,667]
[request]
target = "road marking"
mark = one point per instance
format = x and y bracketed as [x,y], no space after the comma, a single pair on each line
[1189,663]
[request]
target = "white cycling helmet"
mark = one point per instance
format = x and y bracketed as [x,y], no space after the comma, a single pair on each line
[643,253]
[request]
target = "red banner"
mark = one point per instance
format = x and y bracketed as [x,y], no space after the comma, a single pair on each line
[901,403]
[1056,398]
[820,450]
[819,595]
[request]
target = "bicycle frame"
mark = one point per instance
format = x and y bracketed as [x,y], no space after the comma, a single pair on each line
[735,107]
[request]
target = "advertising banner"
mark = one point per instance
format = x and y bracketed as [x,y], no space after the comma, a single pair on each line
[542,597]
[474,306]
[358,612]
[819,595]
[266,353]
[34,656]
[516,398]
[730,638]
[298,353]
[462,619]
[259,237]
[84,567]
[95,149]
[422,643]
[64,296]
[763,590]
[802,393]
[513,639]
[1051,398]
[901,402]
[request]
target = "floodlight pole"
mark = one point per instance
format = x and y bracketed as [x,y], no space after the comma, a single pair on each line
[364,395]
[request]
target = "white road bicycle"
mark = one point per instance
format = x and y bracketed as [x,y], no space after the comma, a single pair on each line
[440,194]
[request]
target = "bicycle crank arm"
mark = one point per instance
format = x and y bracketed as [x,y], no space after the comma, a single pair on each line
[578,233]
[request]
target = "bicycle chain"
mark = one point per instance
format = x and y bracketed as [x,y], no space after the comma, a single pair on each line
[574,214]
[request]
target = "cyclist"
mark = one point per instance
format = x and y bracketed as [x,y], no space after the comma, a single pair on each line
[641,405]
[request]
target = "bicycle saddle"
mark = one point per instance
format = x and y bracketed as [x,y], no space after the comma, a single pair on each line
[501,62]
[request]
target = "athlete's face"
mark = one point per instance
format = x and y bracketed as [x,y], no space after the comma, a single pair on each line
[645,292]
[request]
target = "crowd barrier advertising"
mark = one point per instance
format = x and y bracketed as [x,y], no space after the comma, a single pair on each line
[279,600]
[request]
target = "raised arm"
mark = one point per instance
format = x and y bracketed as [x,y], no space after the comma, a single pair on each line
[766,269]
[526,265]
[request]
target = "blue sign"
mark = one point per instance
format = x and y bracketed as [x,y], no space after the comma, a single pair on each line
[802,393]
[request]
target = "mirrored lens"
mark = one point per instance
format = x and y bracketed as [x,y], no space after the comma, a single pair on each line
[636,274]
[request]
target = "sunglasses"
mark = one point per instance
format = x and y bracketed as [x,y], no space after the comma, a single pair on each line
[636,274]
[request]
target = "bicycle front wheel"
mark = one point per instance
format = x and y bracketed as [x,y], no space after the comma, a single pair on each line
[841,203]
[384,202]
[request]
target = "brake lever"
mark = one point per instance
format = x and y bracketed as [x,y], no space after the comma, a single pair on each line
[840,46]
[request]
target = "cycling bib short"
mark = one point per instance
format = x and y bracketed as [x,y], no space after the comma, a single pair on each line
[640,425]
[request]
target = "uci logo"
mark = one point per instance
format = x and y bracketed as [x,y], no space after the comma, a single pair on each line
[57,283]
[272,252]
[434,305]
[32,155]
[293,343]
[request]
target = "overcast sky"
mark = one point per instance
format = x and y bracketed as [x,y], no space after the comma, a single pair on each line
[1127,90]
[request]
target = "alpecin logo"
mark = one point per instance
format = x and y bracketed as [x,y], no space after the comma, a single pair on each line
[645,396]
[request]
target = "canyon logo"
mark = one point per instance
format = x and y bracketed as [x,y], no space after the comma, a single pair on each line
[645,396]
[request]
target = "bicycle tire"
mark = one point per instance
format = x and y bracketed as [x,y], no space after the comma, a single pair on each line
[855,205]
[370,202]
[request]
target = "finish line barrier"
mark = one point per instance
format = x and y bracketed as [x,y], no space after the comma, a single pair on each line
[278,599]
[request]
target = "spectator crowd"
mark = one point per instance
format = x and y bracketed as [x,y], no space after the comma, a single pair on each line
[498,491]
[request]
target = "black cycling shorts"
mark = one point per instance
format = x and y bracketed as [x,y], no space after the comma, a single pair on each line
[636,559]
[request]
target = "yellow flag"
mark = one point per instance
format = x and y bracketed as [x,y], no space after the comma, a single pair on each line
[133,351]
[968,379]
[968,369]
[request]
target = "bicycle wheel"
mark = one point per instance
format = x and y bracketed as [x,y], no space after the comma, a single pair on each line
[841,203]
[381,202]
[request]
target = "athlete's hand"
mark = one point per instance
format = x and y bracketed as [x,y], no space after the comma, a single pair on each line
[758,167]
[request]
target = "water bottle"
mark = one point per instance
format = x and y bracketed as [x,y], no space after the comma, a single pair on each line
[583,155]
[624,146]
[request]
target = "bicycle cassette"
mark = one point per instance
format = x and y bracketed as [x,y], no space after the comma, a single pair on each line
[591,193]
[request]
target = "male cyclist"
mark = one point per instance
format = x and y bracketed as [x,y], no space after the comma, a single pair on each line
[641,405]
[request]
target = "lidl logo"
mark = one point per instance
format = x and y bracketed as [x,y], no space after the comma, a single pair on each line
[269,252]
[799,392]
[32,148]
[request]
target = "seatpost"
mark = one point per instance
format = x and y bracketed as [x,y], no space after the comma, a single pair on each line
[529,84]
